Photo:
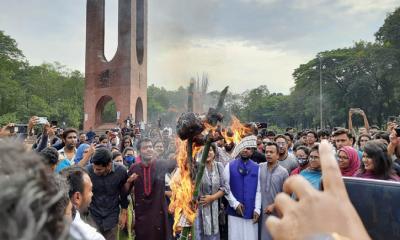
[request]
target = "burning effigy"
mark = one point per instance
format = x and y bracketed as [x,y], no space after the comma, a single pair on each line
[196,132]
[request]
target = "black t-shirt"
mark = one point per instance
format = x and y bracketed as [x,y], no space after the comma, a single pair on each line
[258,157]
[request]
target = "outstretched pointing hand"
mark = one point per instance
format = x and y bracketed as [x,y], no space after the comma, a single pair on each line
[316,212]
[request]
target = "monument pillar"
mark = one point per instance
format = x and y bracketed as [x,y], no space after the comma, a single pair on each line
[123,79]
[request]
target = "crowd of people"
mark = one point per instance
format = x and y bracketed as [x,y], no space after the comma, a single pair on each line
[81,185]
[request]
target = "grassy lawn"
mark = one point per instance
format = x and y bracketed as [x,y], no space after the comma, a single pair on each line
[121,235]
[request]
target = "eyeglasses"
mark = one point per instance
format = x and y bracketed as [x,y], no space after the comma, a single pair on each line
[312,158]
[342,157]
[366,157]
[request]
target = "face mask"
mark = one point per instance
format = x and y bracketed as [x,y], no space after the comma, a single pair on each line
[302,161]
[119,163]
[129,159]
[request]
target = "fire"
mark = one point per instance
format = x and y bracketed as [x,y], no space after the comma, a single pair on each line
[182,191]
[196,150]
[238,131]
[182,185]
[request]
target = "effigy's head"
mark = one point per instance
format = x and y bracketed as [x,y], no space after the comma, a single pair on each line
[189,125]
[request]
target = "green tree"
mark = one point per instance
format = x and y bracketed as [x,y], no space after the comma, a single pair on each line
[389,33]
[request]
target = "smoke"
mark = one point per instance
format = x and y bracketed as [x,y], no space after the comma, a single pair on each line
[173,32]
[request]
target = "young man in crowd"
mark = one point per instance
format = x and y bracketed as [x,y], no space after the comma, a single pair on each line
[270,135]
[323,134]
[68,152]
[90,135]
[82,139]
[290,139]
[242,176]
[342,138]
[286,159]
[224,151]
[312,138]
[109,202]
[148,180]
[272,177]
[80,194]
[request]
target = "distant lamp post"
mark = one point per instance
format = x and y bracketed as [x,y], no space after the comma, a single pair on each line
[320,90]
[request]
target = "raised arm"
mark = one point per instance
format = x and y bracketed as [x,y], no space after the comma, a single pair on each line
[86,156]
[350,120]
[366,123]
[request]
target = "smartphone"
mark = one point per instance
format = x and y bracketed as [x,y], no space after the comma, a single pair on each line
[20,128]
[42,120]
[377,203]
[263,125]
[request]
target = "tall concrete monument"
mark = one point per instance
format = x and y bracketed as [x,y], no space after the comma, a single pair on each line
[123,78]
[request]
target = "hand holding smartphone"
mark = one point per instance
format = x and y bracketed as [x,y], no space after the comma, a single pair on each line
[42,120]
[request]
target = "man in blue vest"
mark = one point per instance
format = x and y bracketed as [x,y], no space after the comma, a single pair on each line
[242,175]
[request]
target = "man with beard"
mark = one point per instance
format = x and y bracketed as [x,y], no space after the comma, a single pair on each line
[224,152]
[242,175]
[80,194]
[68,152]
[286,160]
[148,180]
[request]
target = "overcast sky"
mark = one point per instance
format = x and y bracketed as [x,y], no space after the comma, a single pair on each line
[240,43]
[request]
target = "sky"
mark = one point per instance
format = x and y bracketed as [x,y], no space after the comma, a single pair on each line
[237,43]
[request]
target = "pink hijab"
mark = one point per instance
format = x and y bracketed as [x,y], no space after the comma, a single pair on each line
[354,162]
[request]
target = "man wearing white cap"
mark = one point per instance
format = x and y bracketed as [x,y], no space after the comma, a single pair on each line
[242,175]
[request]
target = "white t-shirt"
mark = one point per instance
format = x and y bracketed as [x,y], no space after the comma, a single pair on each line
[80,230]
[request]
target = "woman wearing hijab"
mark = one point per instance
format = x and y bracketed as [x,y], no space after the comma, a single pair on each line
[80,151]
[349,163]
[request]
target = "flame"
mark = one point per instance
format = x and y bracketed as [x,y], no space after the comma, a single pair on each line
[182,186]
[196,150]
[239,131]
[182,189]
